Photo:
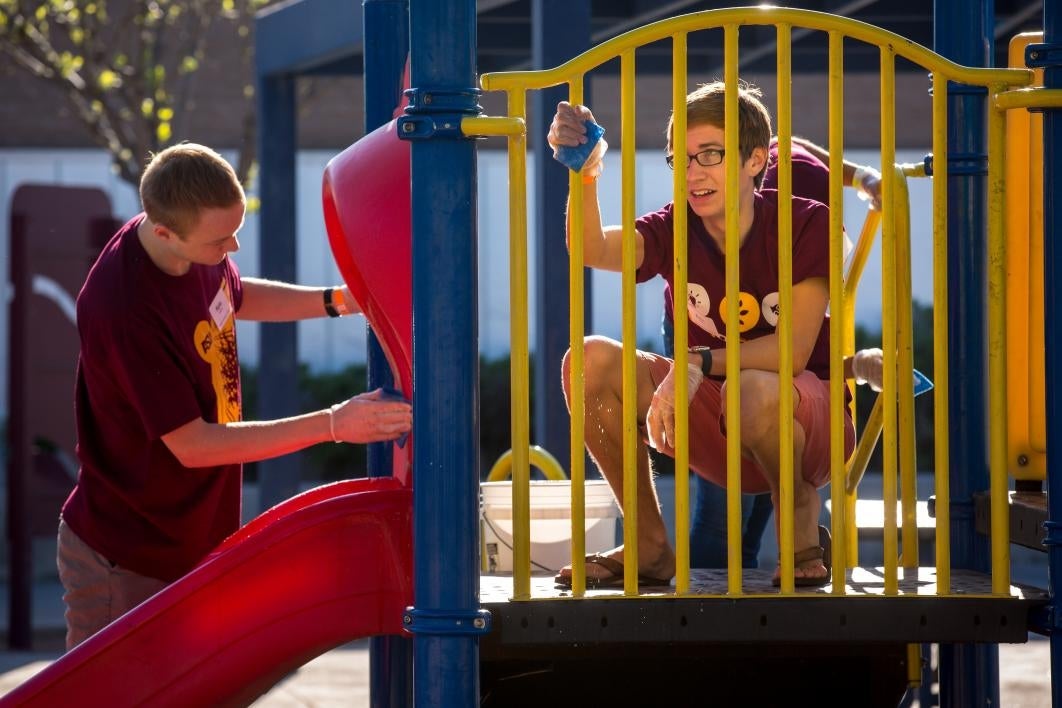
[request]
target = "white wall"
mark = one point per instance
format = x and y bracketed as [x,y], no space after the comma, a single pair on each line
[329,345]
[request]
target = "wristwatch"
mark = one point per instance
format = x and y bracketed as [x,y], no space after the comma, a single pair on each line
[335,304]
[706,359]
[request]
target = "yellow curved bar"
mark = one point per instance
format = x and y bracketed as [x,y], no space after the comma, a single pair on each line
[681,341]
[841,526]
[732,17]
[576,372]
[941,457]
[997,357]
[539,457]
[784,330]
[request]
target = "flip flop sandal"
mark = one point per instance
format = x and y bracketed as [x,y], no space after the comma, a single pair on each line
[614,579]
[822,552]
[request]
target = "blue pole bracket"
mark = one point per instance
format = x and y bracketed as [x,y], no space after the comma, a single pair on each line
[439,622]
[1043,56]
[437,114]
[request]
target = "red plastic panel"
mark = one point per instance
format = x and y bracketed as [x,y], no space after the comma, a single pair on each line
[366,208]
[330,566]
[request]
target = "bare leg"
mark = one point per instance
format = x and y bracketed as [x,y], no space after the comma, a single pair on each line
[759,438]
[604,440]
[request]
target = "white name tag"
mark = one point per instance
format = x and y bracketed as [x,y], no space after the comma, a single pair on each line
[221,308]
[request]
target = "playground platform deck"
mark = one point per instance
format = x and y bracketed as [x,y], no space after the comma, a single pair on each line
[865,614]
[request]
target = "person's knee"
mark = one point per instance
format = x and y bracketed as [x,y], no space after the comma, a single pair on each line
[602,364]
[759,407]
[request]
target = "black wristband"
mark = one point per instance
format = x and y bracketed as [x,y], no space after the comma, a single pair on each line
[706,360]
[329,307]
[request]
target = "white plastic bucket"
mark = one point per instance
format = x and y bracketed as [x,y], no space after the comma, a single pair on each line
[551,523]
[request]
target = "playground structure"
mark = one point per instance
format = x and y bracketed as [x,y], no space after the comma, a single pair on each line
[282,589]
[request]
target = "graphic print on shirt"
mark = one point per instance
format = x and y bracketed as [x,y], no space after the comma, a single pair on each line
[699,305]
[769,308]
[215,340]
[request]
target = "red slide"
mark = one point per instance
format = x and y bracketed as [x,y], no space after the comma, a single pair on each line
[321,569]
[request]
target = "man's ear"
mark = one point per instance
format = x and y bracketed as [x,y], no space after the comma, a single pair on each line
[757,160]
[163,232]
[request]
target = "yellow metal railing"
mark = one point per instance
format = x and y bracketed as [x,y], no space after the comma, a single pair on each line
[899,442]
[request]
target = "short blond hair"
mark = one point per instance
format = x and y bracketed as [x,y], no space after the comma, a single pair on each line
[184,179]
[706,105]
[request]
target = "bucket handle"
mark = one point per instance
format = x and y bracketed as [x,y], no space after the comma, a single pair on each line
[540,458]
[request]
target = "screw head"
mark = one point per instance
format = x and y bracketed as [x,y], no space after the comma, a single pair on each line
[408,128]
[1023,460]
[479,623]
[407,619]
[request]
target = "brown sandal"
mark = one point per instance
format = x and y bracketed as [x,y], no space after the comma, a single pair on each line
[822,552]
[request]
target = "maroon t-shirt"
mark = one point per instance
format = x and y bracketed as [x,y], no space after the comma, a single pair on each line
[811,178]
[157,351]
[758,282]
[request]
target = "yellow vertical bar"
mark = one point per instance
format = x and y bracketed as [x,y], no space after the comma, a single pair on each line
[888,300]
[838,313]
[733,365]
[518,373]
[785,306]
[941,460]
[905,364]
[577,378]
[997,353]
[851,283]
[681,321]
[630,384]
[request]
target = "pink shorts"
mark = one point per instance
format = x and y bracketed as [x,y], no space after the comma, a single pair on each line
[708,441]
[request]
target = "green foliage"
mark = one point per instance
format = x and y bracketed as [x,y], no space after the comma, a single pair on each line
[128,75]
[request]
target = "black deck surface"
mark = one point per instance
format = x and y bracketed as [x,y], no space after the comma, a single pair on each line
[555,619]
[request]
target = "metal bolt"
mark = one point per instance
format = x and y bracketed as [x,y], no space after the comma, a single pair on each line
[408,127]
[1023,460]
[1034,55]
[479,623]
[446,125]
[427,98]
[407,619]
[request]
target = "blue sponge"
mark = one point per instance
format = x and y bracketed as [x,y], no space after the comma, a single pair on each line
[575,157]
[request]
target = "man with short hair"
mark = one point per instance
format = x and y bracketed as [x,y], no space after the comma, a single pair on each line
[161,436]
[758,348]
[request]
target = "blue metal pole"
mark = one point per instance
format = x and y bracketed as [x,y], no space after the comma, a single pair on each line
[278,397]
[385,44]
[446,619]
[963,32]
[553,43]
[1052,332]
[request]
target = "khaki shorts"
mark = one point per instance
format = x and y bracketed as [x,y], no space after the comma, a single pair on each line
[96,591]
[708,441]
